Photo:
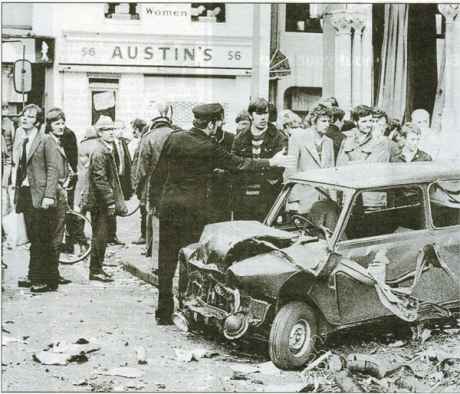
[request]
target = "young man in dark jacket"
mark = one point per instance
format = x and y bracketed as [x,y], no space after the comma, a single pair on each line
[254,191]
[105,197]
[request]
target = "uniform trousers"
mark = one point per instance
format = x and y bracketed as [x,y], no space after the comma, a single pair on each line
[179,227]
[45,229]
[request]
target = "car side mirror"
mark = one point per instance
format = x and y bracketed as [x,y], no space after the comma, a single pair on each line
[22,76]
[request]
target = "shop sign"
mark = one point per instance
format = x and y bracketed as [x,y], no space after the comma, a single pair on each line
[152,54]
[175,13]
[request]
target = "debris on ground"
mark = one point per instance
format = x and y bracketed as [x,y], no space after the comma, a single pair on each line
[6,340]
[63,353]
[141,355]
[124,372]
[193,355]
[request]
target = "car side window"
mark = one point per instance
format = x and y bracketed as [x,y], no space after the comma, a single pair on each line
[445,203]
[399,209]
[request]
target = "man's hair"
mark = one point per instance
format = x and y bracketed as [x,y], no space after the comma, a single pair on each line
[318,111]
[53,115]
[394,127]
[337,114]
[37,109]
[243,115]
[361,111]
[258,105]
[379,113]
[408,128]
[139,124]
[328,102]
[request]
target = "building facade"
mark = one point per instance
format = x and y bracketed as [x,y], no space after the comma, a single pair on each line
[118,59]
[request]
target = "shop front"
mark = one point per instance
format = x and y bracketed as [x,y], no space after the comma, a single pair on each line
[37,50]
[122,76]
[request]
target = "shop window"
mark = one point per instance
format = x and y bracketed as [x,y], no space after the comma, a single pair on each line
[298,19]
[122,11]
[208,12]
[103,98]
[301,99]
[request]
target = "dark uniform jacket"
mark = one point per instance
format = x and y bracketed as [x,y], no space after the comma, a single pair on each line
[69,143]
[104,187]
[220,184]
[146,160]
[187,160]
[255,190]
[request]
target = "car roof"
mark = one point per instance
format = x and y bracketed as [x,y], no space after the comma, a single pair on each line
[367,175]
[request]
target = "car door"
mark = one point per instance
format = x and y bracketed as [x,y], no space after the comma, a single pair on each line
[440,284]
[395,232]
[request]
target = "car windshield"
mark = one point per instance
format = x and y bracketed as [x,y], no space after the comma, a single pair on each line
[310,209]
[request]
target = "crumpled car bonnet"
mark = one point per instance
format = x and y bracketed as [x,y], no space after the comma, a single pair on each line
[224,243]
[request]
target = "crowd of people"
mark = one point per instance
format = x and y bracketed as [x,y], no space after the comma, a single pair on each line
[186,178]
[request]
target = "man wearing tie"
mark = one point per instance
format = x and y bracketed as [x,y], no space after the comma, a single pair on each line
[36,181]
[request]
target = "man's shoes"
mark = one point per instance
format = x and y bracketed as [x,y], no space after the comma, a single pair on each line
[115,241]
[64,281]
[42,288]
[140,241]
[101,277]
[24,283]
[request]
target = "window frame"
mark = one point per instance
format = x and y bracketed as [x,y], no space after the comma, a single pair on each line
[270,218]
[430,211]
[133,17]
[206,4]
[311,31]
[97,83]
[385,237]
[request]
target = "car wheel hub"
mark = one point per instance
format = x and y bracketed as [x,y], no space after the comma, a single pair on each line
[299,337]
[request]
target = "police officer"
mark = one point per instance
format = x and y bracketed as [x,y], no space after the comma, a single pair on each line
[180,191]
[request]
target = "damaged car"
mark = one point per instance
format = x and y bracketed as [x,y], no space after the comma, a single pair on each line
[341,247]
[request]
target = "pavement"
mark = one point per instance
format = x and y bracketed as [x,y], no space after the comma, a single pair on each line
[118,318]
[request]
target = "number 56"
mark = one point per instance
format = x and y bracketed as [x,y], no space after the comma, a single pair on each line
[234,55]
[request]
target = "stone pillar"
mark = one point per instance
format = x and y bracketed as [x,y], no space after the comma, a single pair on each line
[349,48]
[450,118]
[342,23]
[358,25]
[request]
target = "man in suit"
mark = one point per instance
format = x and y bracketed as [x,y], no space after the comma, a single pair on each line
[179,190]
[38,195]
[123,162]
[312,149]
[255,190]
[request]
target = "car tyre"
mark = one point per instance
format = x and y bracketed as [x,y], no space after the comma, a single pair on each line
[292,335]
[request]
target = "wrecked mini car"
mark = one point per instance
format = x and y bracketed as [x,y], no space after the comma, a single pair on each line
[341,247]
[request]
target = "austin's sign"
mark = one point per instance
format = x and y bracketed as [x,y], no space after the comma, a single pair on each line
[153,54]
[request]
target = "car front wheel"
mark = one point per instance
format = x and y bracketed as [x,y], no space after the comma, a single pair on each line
[292,336]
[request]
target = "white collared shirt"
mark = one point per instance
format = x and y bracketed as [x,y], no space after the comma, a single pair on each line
[31,136]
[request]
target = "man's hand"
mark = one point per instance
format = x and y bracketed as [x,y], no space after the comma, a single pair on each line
[111,210]
[47,202]
[282,160]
